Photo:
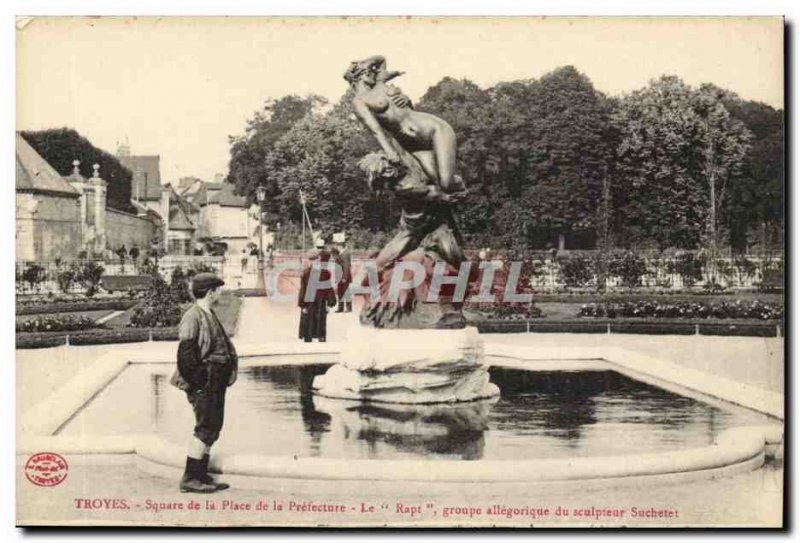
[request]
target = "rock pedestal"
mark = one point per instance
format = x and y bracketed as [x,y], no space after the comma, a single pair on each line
[409,367]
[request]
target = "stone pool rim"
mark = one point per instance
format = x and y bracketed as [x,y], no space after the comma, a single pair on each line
[735,449]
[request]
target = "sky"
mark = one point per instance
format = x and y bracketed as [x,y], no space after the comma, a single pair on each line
[178,87]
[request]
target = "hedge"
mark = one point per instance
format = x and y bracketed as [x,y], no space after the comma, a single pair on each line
[73,307]
[568,327]
[249,292]
[38,340]
[501,327]
[104,337]
[653,328]
[756,330]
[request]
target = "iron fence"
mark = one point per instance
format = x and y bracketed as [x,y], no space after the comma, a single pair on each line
[541,270]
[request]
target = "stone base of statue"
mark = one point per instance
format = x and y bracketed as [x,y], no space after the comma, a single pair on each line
[409,367]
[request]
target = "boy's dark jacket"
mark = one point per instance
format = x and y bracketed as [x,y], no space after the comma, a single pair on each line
[195,330]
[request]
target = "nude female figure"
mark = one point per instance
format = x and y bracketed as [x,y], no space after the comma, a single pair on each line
[390,116]
[417,164]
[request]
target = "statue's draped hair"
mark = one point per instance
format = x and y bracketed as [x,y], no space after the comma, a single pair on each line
[356,69]
[359,67]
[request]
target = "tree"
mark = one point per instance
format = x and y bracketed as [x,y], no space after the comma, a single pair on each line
[678,153]
[61,146]
[467,108]
[247,167]
[757,201]
[556,150]
[33,275]
[726,142]
[546,161]
[534,154]
[89,276]
[319,155]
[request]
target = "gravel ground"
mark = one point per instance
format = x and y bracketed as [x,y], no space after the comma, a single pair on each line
[749,499]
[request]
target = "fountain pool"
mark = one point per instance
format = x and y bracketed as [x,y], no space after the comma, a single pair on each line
[540,414]
[602,416]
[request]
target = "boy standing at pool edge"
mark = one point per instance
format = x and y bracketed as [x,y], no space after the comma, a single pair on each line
[207,366]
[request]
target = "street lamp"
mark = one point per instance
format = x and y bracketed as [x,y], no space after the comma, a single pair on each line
[261,196]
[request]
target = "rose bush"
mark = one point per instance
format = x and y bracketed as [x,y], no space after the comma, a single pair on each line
[162,305]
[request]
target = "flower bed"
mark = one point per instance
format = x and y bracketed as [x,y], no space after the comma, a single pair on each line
[56,323]
[753,310]
[28,299]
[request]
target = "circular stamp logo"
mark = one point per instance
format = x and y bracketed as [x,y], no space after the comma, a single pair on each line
[46,469]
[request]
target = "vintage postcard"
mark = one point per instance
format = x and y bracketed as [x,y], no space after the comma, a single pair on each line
[406,272]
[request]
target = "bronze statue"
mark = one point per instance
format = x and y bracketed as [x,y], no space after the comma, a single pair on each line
[417,164]
[427,354]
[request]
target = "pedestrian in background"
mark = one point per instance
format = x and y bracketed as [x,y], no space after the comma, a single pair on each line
[314,308]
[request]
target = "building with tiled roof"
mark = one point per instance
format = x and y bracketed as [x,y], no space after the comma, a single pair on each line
[182,222]
[64,216]
[35,175]
[225,225]
[146,175]
[48,212]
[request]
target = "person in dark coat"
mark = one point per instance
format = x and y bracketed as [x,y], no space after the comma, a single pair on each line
[314,312]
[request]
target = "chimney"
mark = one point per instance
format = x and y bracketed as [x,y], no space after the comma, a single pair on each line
[124,149]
